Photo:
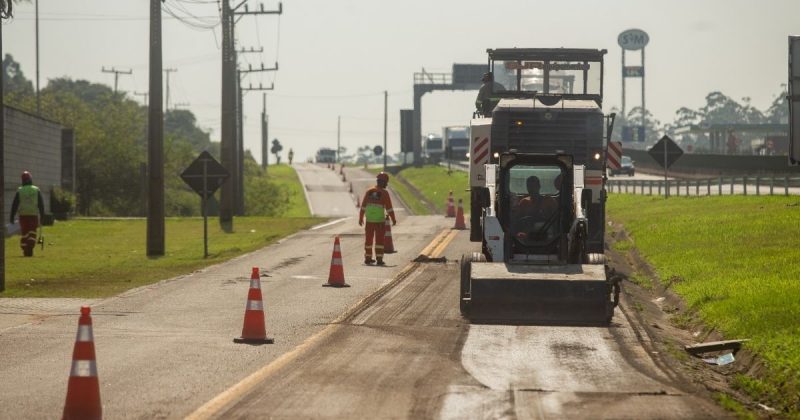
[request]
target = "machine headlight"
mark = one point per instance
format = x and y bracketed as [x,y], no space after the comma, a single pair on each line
[467,155]
[597,156]
[496,155]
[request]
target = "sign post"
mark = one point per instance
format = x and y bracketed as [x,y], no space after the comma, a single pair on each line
[205,175]
[665,152]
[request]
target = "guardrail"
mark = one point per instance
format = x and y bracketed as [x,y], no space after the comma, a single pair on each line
[743,185]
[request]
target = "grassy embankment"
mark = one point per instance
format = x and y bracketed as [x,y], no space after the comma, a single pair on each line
[734,261]
[285,175]
[97,258]
[434,184]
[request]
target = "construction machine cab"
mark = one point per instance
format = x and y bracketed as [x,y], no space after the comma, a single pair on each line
[547,74]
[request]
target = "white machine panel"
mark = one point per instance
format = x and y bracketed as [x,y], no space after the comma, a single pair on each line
[479,150]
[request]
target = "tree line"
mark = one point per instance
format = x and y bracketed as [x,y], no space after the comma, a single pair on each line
[111,148]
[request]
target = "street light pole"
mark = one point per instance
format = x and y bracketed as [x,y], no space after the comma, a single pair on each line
[385,123]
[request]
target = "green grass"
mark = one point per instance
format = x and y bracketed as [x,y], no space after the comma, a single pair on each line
[412,201]
[98,258]
[286,175]
[434,183]
[734,406]
[736,258]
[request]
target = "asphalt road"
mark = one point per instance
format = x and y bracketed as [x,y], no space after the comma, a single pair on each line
[166,349]
[409,354]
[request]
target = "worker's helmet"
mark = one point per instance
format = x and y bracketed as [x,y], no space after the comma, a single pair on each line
[383,177]
[487,77]
[27,178]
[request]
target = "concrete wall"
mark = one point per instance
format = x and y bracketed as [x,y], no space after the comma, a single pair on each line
[714,165]
[31,144]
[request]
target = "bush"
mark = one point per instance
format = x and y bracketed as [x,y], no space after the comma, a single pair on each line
[62,202]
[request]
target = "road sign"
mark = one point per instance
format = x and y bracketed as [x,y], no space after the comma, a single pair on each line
[665,152]
[614,155]
[629,135]
[633,39]
[633,71]
[215,174]
[378,150]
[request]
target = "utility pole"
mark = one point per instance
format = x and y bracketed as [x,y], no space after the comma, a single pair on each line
[264,133]
[240,126]
[38,100]
[155,140]
[338,137]
[385,123]
[144,94]
[116,72]
[166,73]
[227,124]
[5,13]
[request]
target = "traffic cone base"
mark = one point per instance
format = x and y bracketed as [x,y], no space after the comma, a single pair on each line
[336,274]
[254,330]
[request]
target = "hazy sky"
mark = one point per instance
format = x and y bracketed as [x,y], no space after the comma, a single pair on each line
[337,58]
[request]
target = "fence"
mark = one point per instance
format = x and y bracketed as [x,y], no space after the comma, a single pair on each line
[744,185]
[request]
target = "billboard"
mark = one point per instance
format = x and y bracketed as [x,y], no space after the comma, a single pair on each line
[469,74]
[406,130]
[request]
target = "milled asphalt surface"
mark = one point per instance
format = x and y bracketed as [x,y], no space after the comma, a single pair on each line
[165,349]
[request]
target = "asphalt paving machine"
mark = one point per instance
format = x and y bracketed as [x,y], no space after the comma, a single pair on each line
[537,165]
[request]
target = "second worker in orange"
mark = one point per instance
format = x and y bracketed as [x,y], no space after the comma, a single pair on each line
[376,205]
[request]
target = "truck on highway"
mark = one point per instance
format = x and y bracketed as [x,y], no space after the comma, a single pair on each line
[433,148]
[326,155]
[536,170]
[456,141]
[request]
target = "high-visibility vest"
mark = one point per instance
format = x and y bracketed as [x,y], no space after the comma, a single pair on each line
[28,200]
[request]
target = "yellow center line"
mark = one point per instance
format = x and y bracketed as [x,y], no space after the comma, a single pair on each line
[216,404]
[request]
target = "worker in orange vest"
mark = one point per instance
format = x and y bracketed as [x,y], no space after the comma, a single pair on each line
[375,205]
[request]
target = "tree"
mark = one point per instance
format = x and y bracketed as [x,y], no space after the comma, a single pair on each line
[14,81]
[778,112]
[183,124]
[276,150]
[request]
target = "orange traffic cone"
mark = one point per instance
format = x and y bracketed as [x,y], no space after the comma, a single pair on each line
[451,210]
[460,217]
[336,275]
[254,331]
[351,188]
[341,169]
[83,390]
[344,178]
[388,244]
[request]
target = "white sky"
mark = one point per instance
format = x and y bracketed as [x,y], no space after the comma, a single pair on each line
[337,58]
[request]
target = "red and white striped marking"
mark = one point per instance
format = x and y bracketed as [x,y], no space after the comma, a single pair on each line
[614,154]
[480,151]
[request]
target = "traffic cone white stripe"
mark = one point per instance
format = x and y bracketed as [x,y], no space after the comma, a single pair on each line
[336,261]
[337,248]
[255,305]
[255,283]
[85,333]
[83,368]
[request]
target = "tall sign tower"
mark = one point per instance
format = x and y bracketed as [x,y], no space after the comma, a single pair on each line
[632,40]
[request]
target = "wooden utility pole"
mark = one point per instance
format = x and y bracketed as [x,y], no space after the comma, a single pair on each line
[38,100]
[264,133]
[338,137]
[155,140]
[166,73]
[228,119]
[116,75]
[385,124]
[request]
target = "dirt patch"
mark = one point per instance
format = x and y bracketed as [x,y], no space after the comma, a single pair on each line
[671,325]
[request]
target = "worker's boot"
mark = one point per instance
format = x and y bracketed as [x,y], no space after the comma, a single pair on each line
[28,252]
[380,261]
[368,261]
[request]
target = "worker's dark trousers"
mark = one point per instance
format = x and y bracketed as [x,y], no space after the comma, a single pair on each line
[28,226]
[376,230]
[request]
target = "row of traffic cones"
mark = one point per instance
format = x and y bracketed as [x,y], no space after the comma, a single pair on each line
[458,214]
[83,388]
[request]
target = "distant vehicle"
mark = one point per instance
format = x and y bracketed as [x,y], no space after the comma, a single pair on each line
[626,167]
[434,148]
[325,155]
[457,142]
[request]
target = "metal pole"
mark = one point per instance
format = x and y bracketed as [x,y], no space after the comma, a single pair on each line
[155,143]
[338,137]
[38,100]
[623,83]
[644,108]
[204,204]
[666,182]
[385,124]
[264,136]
